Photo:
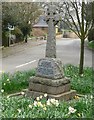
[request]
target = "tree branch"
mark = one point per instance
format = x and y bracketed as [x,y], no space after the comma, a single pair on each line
[74,23]
[76,10]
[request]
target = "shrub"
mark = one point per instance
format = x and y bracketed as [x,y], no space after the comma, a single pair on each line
[91,35]
[5,39]
[18,33]
[26,28]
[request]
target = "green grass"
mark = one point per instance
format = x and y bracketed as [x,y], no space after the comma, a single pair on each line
[22,107]
[19,80]
[82,84]
[91,45]
[16,82]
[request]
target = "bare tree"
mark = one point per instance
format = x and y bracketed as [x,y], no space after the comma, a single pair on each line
[75,19]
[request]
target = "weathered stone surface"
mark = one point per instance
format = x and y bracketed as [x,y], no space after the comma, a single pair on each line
[49,89]
[51,37]
[48,85]
[63,96]
[50,68]
[49,82]
[52,19]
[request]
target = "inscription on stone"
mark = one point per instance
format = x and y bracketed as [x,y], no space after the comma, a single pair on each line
[45,64]
[49,68]
[45,68]
[45,71]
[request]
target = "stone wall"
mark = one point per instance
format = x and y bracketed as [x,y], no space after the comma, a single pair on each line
[39,31]
[68,34]
[72,35]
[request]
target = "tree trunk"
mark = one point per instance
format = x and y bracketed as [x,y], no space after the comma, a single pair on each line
[26,39]
[81,57]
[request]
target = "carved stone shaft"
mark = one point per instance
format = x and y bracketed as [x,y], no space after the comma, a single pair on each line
[51,38]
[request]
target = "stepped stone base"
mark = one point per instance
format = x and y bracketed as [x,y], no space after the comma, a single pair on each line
[58,89]
[49,86]
[63,96]
[50,79]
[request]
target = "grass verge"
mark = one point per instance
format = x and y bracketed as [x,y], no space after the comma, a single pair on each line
[16,82]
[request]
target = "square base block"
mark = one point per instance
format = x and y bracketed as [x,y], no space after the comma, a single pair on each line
[49,89]
[49,86]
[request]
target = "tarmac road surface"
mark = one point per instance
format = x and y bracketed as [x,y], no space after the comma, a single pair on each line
[68,50]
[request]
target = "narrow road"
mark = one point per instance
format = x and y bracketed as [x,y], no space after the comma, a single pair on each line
[68,50]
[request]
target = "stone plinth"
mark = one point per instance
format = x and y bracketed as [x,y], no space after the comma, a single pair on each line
[50,79]
[49,86]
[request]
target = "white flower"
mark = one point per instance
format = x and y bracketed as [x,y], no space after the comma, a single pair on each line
[4,84]
[53,100]
[7,96]
[35,103]
[79,114]
[91,96]
[82,75]
[22,93]
[45,95]
[8,80]
[44,108]
[19,110]
[56,103]
[30,106]
[48,102]
[76,97]
[2,90]
[71,110]
[37,98]
[40,96]
[40,104]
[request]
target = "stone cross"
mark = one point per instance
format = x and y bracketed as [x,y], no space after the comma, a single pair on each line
[49,73]
[52,19]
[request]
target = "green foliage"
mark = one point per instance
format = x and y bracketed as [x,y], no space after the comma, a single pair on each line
[16,82]
[19,14]
[23,107]
[18,33]
[91,45]
[26,28]
[5,38]
[89,10]
[91,35]
[81,83]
